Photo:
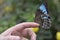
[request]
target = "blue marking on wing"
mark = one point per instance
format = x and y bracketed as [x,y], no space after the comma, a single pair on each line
[43,9]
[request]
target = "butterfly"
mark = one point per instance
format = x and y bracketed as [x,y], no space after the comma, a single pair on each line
[42,16]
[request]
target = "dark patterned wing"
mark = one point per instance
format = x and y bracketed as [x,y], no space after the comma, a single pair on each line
[38,17]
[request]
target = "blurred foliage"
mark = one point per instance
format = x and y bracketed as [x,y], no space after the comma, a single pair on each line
[13,12]
[16,11]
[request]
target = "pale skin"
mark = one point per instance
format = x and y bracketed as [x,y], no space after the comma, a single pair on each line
[20,32]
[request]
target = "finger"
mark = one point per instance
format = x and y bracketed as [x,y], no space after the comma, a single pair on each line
[32,34]
[29,32]
[20,27]
[25,25]
[9,38]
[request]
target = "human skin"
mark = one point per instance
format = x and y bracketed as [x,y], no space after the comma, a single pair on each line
[20,32]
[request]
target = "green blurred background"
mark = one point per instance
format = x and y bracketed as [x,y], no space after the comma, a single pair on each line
[13,12]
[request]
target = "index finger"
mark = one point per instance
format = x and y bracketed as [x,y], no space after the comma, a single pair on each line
[20,27]
[25,25]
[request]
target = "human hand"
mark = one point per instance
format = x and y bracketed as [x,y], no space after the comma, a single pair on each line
[20,32]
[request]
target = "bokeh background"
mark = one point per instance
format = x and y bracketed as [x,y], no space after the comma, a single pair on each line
[13,12]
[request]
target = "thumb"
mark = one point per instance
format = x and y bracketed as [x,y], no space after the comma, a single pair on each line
[9,38]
